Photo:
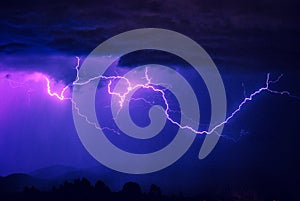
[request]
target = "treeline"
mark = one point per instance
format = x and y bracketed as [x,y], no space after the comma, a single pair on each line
[82,189]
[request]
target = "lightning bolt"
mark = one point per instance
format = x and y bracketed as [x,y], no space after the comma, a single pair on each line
[155,87]
[60,95]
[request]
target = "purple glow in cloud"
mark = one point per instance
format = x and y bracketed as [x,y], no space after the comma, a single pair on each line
[58,90]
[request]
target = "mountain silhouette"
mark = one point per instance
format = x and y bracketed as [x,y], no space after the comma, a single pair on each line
[17,182]
[52,171]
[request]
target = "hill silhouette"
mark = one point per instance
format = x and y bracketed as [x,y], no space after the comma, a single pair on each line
[26,187]
[52,171]
[17,182]
[82,189]
[65,183]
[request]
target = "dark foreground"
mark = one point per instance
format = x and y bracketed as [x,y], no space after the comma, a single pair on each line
[82,189]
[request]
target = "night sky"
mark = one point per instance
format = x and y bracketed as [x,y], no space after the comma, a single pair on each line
[246,40]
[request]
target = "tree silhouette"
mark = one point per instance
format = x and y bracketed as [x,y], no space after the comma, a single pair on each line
[101,188]
[82,189]
[154,190]
[132,188]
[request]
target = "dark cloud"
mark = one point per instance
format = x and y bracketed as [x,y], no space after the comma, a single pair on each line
[12,47]
[204,13]
[232,32]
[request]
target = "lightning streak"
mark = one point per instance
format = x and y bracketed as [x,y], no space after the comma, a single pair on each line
[60,95]
[155,87]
